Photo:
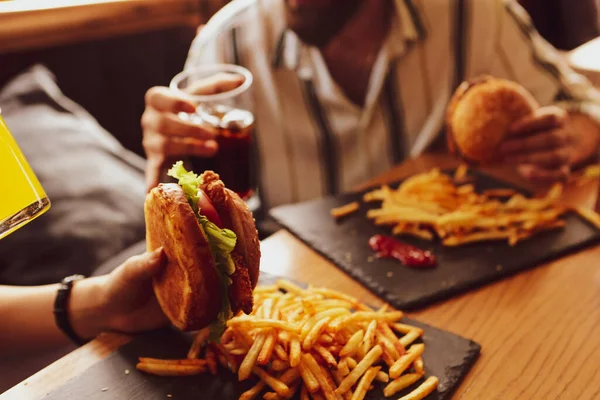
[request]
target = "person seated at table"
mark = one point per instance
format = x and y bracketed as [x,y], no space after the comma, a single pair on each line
[345,89]
[122,301]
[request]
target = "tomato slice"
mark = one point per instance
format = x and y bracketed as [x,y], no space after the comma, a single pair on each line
[206,208]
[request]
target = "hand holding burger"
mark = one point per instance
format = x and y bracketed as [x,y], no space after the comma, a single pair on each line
[494,120]
[548,143]
[211,244]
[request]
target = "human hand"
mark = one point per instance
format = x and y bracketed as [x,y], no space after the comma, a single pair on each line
[543,145]
[121,301]
[166,136]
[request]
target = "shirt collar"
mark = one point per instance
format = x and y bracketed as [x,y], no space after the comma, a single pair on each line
[408,25]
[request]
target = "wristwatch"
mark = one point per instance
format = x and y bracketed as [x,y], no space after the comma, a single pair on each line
[61,308]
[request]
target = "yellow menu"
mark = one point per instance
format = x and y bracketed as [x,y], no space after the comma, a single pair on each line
[22,197]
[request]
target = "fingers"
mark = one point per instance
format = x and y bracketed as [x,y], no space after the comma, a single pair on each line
[145,266]
[539,174]
[545,118]
[218,83]
[170,124]
[166,100]
[549,159]
[548,140]
[158,145]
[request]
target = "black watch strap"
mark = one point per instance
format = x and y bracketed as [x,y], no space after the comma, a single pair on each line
[61,307]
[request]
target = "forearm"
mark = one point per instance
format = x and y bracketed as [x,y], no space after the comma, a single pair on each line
[28,321]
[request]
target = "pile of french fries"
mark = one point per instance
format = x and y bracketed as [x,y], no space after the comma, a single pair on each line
[313,343]
[434,204]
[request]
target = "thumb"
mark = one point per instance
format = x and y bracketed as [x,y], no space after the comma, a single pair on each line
[146,265]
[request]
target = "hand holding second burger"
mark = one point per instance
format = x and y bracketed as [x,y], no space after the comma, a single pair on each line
[548,143]
[492,120]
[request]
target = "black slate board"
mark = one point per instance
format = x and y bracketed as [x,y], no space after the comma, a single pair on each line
[345,244]
[447,356]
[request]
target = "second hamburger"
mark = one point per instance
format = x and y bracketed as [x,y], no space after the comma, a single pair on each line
[480,114]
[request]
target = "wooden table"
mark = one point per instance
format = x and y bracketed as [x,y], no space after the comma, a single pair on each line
[539,330]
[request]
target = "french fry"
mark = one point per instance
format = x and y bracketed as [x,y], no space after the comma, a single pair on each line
[310,381]
[461,172]
[280,352]
[264,323]
[254,391]
[326,387]
[327,356]
[227,336]
[406,360]
[418,365]
[404,328]
[279,387]
[335,295]
[345,210]
[304,394]
[267,350]
[148,360]
[325,339]
[391,316]
[410,337]
[370,358]
[289,287]
[266,289]
[314,333]
[401,383]
[199,340]
[382,377]
[171,369]
[350,362]
[424,390]
[413,230]
[589,215]
[211,361]
[387,345]
[250,360]
[368,339]
[279,365]
[295,350]
[365,383]
[385,330]
[343,368]
[353,344]
[290,376]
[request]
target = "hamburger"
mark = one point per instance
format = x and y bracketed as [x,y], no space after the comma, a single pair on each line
[209,237]
[480,114]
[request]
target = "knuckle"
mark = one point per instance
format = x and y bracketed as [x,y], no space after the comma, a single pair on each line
[151,94]
[146,120]
[162,124]
[179,104]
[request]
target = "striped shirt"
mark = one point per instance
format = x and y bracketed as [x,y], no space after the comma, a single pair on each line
[312,141]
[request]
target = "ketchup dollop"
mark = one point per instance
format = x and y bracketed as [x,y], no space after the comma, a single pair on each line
[408,255]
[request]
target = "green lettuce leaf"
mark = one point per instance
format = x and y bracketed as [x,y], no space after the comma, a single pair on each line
[188,181]
[221,241]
